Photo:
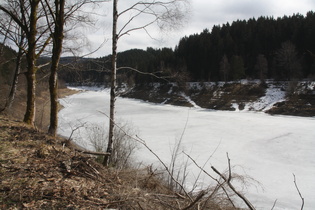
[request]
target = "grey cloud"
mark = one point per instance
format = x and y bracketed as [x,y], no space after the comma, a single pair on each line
[207,13]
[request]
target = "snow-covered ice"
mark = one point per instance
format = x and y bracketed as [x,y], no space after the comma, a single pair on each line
[267,148]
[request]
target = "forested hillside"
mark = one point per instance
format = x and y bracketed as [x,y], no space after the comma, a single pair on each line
[263,48]
[257,48]
[7,64]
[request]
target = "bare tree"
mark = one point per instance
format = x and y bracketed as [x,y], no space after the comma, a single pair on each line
[261,67]
[59,16]
[27,15]
[225,68]
[41,23]
[288,61]
[166,14]
[11,32]
[17,71]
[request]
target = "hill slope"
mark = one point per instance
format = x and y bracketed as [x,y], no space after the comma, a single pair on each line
[39,172]
[290,98]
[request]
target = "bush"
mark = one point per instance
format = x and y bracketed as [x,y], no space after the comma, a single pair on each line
[123,146]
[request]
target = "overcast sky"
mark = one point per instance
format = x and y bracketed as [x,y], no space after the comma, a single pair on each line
[203,14]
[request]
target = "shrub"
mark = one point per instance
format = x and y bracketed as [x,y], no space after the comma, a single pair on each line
[123,146]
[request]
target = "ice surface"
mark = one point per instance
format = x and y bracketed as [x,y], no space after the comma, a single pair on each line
[267,148]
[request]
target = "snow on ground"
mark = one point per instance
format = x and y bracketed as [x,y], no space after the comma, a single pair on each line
[267,148]
[187,98]
[273,95]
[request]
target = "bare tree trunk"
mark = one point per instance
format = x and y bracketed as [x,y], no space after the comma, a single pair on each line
[4,40]
[15,80]
[16,76]
[53,80]
[113,85]
[29,116]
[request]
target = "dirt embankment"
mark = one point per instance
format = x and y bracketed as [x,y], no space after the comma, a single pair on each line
[298,97]
[18,108]
[40,172]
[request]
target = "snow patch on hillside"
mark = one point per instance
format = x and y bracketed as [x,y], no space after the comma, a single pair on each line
[188,99]
[274,94]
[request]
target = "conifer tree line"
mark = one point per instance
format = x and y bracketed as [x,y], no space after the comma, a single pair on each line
[260,48]
[263,48]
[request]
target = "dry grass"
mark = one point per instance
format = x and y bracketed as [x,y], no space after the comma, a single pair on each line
[17,110]
[38,172]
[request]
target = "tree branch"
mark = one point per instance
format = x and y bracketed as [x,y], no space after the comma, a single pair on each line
[144,73]
[249,205]
[297,188]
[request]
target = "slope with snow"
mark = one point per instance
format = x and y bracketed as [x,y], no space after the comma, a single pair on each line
[274,94]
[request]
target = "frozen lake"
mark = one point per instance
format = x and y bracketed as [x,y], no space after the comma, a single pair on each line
[266,148]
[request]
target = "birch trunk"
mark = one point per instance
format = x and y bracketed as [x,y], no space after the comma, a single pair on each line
[113,85]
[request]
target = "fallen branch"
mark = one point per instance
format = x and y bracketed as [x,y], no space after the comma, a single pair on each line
[92,153]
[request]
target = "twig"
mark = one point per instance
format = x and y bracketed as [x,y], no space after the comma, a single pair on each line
[297,188]
[179,195]
[202,169]
[140,205]
[10,168]
[200,196]
[73,130]
[219,185]
[274,204]
[166,203]
[175,156]
[166,168]
[167,196]
[144,73]
[249,205]
[204,165]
